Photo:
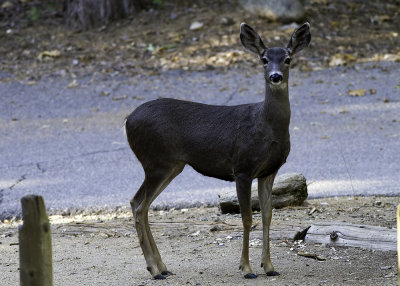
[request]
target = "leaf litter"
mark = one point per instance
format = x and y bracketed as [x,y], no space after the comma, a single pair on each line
[194,35]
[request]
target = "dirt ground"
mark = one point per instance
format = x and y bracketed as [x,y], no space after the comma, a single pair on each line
[202,247]
[35,42]
[102,248]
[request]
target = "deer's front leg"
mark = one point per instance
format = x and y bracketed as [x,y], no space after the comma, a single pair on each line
[265,198]
[243,189]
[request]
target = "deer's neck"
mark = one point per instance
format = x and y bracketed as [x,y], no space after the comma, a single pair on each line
[277,109]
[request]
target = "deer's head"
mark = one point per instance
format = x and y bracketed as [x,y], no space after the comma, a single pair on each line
[276,61]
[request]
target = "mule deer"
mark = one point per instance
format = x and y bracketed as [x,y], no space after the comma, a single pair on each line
[233,143]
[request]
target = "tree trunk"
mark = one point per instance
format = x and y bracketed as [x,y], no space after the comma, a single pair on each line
[88,14]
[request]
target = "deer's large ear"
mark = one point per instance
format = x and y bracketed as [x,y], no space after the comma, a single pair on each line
[251,40]
[300,39]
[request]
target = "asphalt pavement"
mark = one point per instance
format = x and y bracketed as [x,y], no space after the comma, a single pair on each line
[68,143]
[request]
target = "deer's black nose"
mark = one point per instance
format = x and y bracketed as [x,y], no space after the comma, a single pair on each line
[275,78]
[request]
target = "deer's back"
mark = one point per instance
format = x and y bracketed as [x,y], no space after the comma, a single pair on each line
[204,136]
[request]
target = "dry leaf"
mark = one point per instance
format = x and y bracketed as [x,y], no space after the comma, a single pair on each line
[386,57]
[378,19]
[335,24]
[104,93]
[225,58]
[357,92]
[321,2]
[73,84]
[121,97]
[341,60]
[50,54]
[174,37]
[138,97]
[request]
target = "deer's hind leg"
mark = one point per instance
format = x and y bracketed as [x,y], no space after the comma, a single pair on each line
[155,182]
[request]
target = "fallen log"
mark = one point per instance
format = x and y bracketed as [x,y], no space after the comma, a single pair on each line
[288,190]
[363,236]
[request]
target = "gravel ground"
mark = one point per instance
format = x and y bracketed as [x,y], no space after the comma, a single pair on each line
[103,249]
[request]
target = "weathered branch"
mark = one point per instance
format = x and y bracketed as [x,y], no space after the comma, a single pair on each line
[363,236]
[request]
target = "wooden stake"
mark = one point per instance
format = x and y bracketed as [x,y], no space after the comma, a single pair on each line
[35,244]
[398,244]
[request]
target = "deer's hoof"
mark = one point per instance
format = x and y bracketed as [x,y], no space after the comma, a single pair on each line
[272,273]
[167,273]
[250,276]
[159,277]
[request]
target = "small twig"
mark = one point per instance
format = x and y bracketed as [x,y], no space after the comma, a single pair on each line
[311,255]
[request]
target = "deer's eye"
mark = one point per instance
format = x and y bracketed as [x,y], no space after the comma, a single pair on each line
[264,61]
[287,61]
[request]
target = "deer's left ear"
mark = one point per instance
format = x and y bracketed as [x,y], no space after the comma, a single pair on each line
[300,39]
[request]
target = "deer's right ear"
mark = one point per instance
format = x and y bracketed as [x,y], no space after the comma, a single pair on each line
[251,40]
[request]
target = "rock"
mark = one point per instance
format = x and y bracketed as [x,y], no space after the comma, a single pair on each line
[288,190]
[196,26]
[227,21]
[6,5]
[275,10]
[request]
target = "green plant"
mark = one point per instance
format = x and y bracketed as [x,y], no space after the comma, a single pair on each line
[33,14]
[158,2]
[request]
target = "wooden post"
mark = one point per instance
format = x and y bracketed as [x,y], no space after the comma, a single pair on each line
[398,244]
[35,255]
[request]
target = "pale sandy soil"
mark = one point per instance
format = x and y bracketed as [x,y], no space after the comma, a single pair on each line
[103,249]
